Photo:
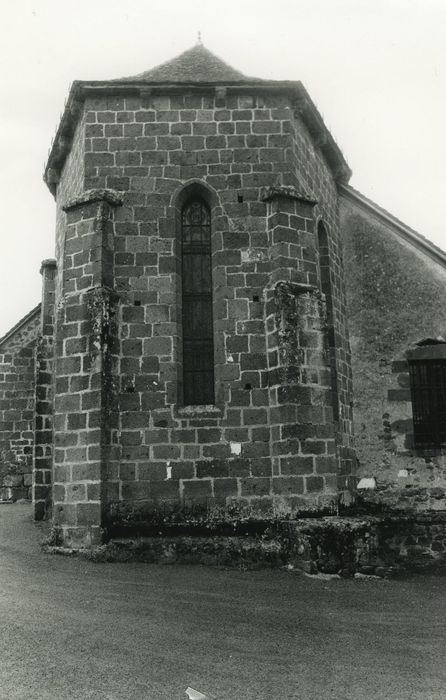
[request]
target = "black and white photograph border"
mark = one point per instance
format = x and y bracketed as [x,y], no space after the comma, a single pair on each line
[223,350]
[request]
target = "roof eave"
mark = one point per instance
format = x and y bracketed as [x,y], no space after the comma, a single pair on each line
[322,136]
[61,144]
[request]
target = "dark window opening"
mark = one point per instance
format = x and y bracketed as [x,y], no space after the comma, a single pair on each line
[326,288]
[428,393]
[198,341]
[324,268]
[240,198]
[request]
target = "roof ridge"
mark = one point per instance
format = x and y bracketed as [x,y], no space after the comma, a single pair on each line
[197,63]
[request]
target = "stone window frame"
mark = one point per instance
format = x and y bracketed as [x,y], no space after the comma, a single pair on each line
[198,382]
[427,399]
[191,189]
[322,238]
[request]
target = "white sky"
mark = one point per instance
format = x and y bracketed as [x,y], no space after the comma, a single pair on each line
[376,70]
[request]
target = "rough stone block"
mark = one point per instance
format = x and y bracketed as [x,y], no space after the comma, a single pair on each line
[314,484]
[197,490]
[88,514]
[212,468]
[296,465]
[255,486]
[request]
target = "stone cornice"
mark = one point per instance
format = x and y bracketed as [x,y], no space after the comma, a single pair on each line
[296,288]
[90,196]
[47,263]
[435,351]
[286,192]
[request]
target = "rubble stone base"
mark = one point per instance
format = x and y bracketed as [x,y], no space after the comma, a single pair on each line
[384,546]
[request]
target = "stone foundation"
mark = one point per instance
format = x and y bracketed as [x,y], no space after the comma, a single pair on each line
[384,546]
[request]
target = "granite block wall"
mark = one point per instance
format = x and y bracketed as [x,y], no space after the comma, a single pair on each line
[17,367]
[240,456]
[43,448]
[396,298]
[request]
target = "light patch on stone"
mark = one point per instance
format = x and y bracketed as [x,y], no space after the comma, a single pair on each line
[367,483]
[230,358]
[247,223]
[236,448]
[168,471]
[253,255]
[403,474]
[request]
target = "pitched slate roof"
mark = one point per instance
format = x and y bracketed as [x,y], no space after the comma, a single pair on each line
[197,69]
[196,65]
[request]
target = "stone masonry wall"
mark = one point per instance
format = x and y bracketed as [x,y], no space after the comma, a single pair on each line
[300,401]
[70,185]
[17,409]
[396,297]
[44,392]
[83,369]
[312,175]
[67,185]
[157,150]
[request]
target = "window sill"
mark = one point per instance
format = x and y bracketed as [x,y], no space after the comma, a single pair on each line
[206,411]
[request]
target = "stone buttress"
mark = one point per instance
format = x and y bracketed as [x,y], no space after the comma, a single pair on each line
[84,368]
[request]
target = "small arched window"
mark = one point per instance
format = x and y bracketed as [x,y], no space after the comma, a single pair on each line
[198,336]
[324,268]
[326,289]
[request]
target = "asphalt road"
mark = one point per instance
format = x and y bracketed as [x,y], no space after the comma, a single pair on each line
[75,629]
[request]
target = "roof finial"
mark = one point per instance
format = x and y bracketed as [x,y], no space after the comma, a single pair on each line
[199,42]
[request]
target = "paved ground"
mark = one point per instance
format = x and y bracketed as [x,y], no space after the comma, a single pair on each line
[74,629]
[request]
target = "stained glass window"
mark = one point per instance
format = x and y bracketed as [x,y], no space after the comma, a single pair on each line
[198,342]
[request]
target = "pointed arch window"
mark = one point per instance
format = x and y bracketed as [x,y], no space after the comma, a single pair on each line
[326,289]
[324,268]
[198,340]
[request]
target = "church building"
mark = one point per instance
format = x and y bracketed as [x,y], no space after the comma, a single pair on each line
[191,357]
